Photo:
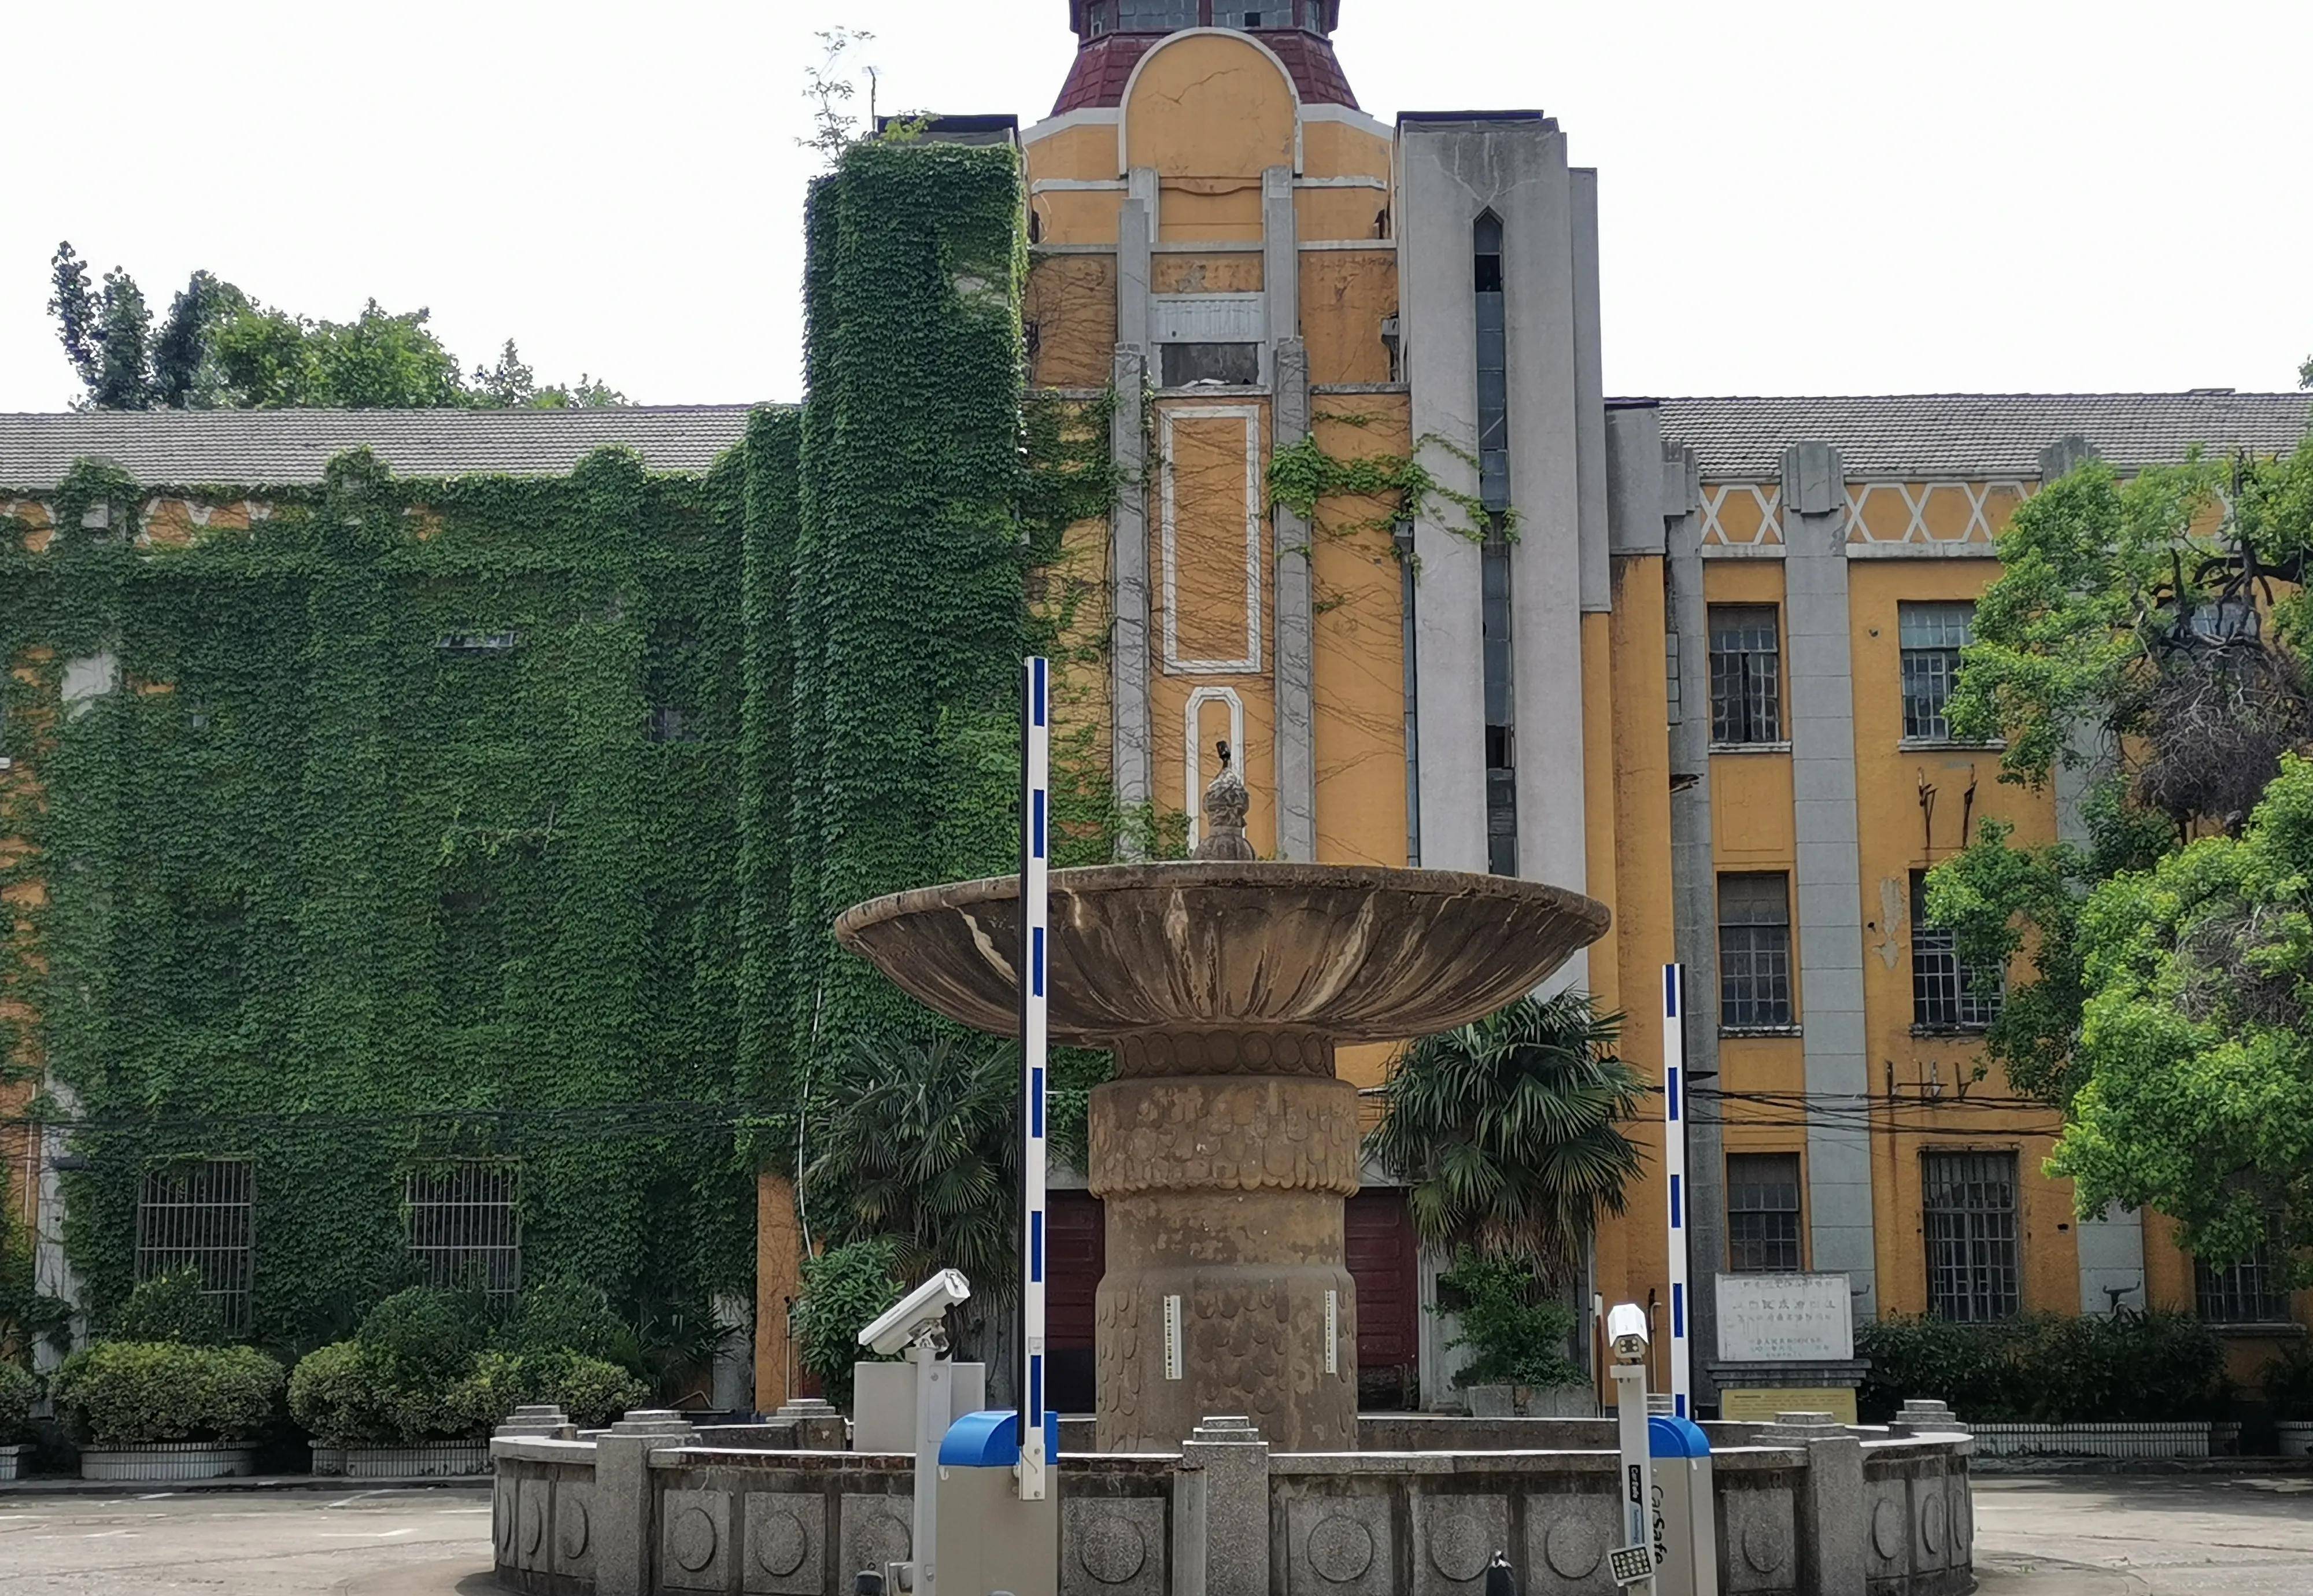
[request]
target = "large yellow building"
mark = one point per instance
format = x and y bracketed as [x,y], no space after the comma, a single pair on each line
[1686,655]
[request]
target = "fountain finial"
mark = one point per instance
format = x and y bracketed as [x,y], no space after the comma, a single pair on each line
[1221,821]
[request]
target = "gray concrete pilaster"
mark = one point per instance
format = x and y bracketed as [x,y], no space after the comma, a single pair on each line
[1221,1511]
[1597,578]
[1834,1517]
[1297,751]
[1131,756]
[1827,880]
[1695,887]
[1142,188]
[1287,364]
[621,1516]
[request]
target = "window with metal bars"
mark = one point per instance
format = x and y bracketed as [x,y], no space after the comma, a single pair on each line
[1946,994]
[1931,636]
[197,1215]
[1755,952]
[1747,674]
[1762,1213]
[2253,1291]
[465,1231]
[1969,1212]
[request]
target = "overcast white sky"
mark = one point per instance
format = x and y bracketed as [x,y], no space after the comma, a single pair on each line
[1848,195]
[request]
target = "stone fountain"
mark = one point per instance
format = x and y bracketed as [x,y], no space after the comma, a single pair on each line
[1226,1145]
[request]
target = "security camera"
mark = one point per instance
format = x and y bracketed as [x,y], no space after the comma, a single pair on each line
[1626,1332]
[917,1314]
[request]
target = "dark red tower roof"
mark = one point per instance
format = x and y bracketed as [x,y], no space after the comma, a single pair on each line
[1110,44]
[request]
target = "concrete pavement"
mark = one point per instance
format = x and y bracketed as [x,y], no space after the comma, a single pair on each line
[146,1543]
[2131,1535]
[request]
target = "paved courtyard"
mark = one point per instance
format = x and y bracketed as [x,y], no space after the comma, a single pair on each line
[269,1543]
[2076,1536]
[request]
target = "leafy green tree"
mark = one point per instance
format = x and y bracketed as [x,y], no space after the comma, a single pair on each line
[221,349]
[844,1288]
[2138,630]
[1506,1131]
[1516,1334]
[2193,1080]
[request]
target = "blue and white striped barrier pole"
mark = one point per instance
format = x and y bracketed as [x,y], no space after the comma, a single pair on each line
[1035,854]
[1680,1359]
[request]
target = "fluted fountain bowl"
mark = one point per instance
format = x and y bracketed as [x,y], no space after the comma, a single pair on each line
[1355,953]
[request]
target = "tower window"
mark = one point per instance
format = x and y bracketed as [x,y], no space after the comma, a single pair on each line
[1502,702]
[1493,366]
[1156,16]
[1746,695]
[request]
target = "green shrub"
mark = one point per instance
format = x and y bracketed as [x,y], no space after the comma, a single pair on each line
[2046,1368]
[19,1388]
[1517,1335]
[172,1307]
[122,1393]
[593,1391]
[843,1290]
[565,1315]
[424,1336]
[333,1395]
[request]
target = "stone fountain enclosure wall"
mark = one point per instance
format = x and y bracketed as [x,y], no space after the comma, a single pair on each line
[1804,1507]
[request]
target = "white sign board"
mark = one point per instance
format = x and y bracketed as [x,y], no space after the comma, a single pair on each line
[1778,1319]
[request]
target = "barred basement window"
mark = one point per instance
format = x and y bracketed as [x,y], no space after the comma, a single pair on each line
[1755,952]
[464,1231]
[1931,636]
[1762,1213]
[1969,1209]
[1947,995]
[197,1216]
[2252,1292]
[1746,688]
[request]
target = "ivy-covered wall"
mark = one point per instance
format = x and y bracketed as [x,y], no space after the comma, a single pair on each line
[408,831]
[506,817]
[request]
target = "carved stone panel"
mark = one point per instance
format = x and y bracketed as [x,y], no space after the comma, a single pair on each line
[873,1531]
[1338,1546]
[694,1549]
[1454,1540]
[534,1494]
[1758,1542]
[1112,1547]
[1567,1535]
[505,1500]
[786,1544]
[574,1528]
[1887,1526]
[1252,1133]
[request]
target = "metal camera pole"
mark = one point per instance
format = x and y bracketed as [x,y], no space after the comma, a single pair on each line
[1633,1562]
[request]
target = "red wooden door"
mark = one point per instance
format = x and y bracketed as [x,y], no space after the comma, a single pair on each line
[1076,1252]
[1385,1262]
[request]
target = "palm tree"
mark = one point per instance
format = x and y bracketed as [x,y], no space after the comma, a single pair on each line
[1506,1131]
[923,1147]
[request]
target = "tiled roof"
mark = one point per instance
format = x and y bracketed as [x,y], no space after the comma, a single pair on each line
[1978,435]
[1103,66]
[266,448]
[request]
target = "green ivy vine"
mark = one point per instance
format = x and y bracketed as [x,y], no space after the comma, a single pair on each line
[1302,475]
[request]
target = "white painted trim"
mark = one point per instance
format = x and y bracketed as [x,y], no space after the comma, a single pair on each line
[1381,183]
[1350,114]
[1193,793]
[1377,244]
[1225,247]
[1069,185]
[1250,664]
[1084,115]
[1124,155]
[1942,550]
[1742,550]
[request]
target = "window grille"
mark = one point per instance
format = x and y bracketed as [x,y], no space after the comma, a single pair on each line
[197,1216]
[480,644]
[1946,994]
[1970,1213]
[1755,952]
[1747,689]
[1931,636]
[1762,1213]
[464,1231]
[2253,1291]
[1156,16]
[669,724]
[1501,729]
